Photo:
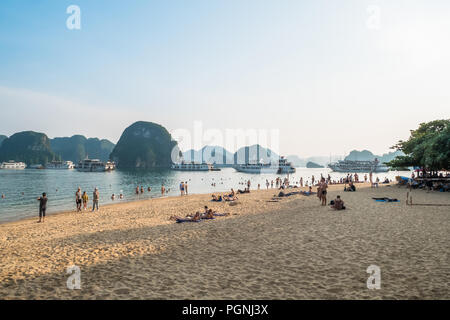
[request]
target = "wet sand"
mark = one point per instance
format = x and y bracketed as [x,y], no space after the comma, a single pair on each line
[291,249]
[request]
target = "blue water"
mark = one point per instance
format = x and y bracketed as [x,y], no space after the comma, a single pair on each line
[22,187]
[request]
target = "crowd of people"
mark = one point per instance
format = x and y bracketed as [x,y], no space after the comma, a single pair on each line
[82,198]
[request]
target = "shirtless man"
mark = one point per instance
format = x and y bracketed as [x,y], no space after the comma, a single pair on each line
[78,199]
[163,190]
[338,204]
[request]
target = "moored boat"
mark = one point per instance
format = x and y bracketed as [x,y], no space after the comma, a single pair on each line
[358,166]
[60,165]
[191,166]
[280,167]
[95,165]
[12,165]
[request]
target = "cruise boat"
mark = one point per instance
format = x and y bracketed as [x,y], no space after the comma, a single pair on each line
[282,166]
[60,165]
[36,166]
[12,165]
[95,165]
[192,166]
[358,166]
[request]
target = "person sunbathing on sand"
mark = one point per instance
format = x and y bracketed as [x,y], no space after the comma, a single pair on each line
[338,204]
[216,198]
[195,217]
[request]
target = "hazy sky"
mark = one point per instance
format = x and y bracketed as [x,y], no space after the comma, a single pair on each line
[331,75]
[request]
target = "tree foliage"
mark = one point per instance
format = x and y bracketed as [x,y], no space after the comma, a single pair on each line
[428,147]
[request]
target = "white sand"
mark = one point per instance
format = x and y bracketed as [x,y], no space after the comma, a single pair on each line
[293,249]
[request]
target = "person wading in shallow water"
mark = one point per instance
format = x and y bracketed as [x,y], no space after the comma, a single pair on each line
[42,206]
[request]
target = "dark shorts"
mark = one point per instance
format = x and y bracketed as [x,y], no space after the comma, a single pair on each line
[324,192]
[42,212]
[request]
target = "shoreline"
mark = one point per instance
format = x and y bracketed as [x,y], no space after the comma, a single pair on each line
[138,201]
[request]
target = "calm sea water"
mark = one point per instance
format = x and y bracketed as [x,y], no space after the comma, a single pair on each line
[22,187]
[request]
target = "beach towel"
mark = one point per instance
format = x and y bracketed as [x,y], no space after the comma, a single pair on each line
[187,220]
[385,200]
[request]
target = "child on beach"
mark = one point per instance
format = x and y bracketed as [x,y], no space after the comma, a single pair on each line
[181,188]
[42,206]
[85,199]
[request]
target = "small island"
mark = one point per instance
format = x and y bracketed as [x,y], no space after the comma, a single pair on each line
[311,164]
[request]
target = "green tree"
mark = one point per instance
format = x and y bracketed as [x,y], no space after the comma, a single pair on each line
[428,147]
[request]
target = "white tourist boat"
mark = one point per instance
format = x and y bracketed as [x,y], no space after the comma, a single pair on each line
[60,165]
[280,167]
[349,166]
[36,166]
[12,165]
[192,166]
[95,165]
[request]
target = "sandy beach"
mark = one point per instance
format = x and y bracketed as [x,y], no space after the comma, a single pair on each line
[290,249]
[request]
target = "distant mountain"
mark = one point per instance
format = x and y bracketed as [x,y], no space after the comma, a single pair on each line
[254,153]
[321,160]
[209,154]
[296,161]
[366,155]
[386,157]
[311,164]
[144,145]
[78,147]
[2,137]
[222,157]
[28,146]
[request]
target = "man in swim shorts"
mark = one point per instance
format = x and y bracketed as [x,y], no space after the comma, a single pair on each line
[42,206]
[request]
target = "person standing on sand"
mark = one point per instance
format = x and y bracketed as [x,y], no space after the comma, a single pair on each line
[85,199]
[42,206]
[95,198]
[267,184]
[312,180]
[185,188]
[370,179]
[271,184]
[163,189]
[248,184]
[78,199]
[324,192]
[181,188]
[301,181]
